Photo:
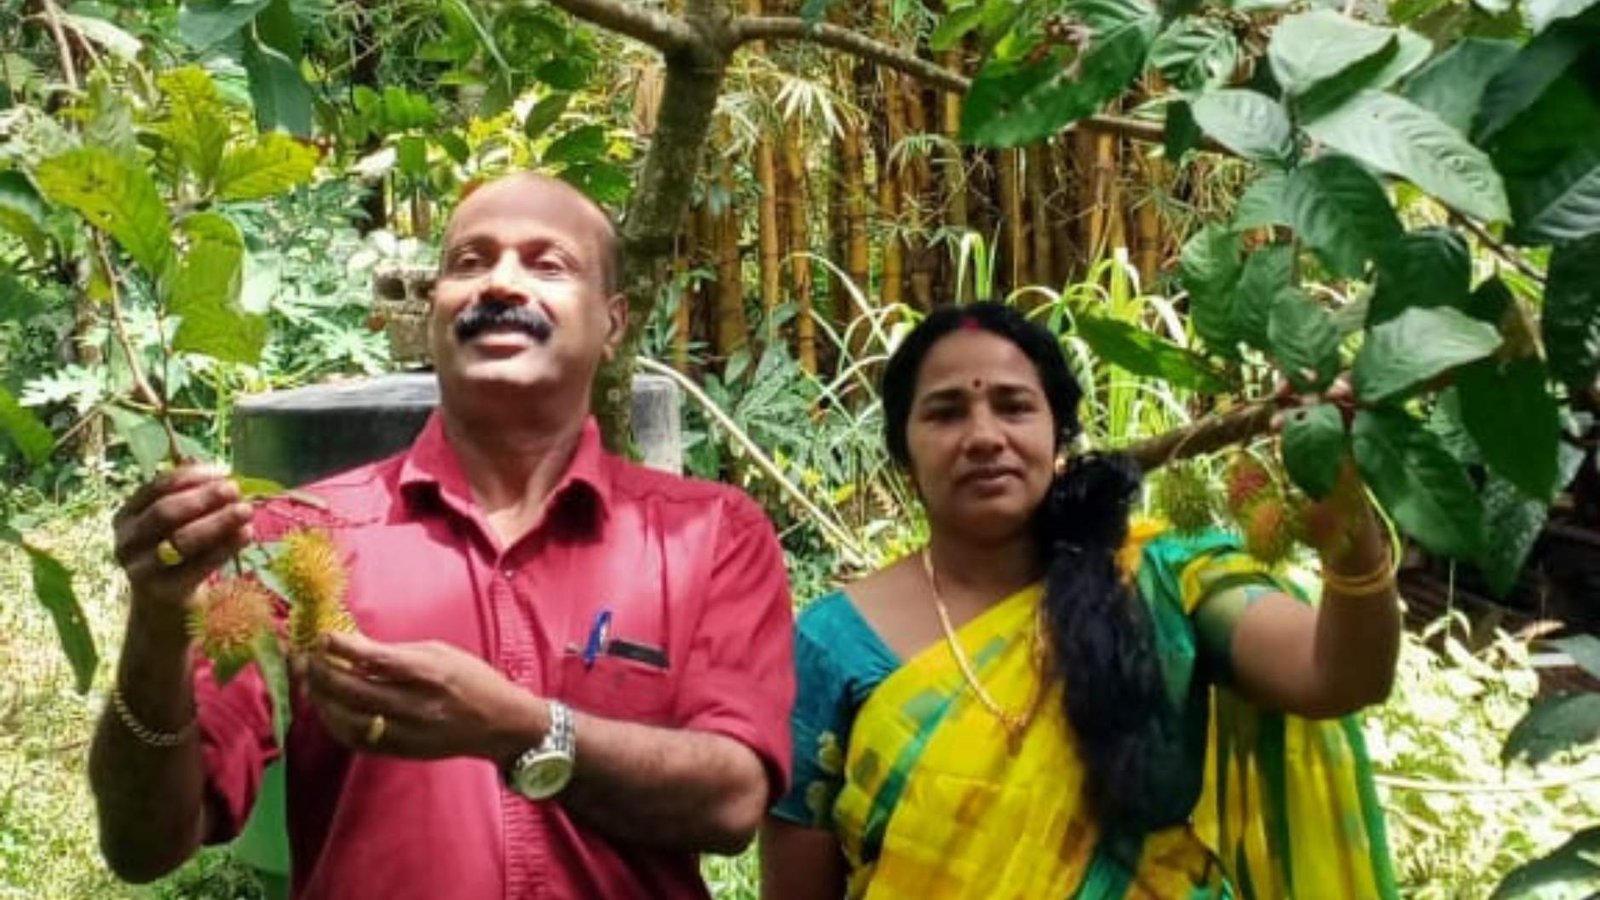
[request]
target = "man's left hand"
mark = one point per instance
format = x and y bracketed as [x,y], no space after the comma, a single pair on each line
[435,699]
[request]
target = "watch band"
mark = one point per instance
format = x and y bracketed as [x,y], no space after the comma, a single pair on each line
[562,736]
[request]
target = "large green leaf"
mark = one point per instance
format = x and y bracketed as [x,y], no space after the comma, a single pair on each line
[586,143]
[1142,353]
[1452,85]
[545,113]
[1520,84]
[1570,872]
[1584,651]
[1312,48]
[279,91]
[1513,418]
[116,197]
[276,28]
[196,123]
[1314,448]
[1266,273]
[1555,724]
[1261,204]
[1396,136]
[1563,204]
[1422,486]
[273,164]
[1338,208]
[1195,54]
[1181,133]
[1017,101]
[1428,267]
[22,212]
[1303,341]
[1209,267]
[1250,124]
[205,293]
[203,25]
[1413,50]
[1571,319]
[1417,345]
[1512,522]
[52,587]
[955,25]
[30,435]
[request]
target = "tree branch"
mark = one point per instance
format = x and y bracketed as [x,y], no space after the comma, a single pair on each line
[746,29]
[1207,435]
[1499,249]
[667,33]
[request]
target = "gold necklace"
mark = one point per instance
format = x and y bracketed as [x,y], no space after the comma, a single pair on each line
[1015,723]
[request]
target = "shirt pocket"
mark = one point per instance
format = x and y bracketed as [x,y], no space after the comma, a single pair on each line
[614,687]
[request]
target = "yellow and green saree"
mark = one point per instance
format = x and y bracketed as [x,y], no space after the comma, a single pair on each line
[928,799]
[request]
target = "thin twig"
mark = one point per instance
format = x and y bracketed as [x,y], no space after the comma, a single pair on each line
[52,21]
[119,328]
[1512,787]
[1500,250]
[1206,435]
[667,33]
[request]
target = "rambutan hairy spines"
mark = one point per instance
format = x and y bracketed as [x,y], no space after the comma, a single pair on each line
[225,620]
[1247,481]
[1183,495]
[313,574]
[1269,530]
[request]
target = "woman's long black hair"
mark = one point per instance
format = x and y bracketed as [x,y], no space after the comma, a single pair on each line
[1101,634]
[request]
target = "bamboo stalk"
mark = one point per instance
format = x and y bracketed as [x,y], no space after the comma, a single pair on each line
[1038,214]
[800,249]
[889,200]
[1013,226]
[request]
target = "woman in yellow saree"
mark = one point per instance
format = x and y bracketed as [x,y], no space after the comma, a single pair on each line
[1026,708]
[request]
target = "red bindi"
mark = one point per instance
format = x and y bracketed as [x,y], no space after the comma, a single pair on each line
[968,323]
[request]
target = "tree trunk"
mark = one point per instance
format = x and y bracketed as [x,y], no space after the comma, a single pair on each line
[732,326]
[1039,215]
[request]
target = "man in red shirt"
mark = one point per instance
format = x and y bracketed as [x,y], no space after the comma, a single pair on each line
[573,673]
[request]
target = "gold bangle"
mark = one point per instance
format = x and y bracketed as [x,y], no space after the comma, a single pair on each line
[1377,581]
[147,735]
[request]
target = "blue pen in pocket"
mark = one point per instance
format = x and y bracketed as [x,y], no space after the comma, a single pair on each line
[598,632]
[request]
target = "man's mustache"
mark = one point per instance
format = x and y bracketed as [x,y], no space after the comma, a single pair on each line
[493,314]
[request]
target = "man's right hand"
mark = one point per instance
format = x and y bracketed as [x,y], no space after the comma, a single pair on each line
[175,531]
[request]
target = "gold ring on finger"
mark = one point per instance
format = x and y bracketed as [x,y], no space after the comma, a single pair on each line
[168,553]
[375,729]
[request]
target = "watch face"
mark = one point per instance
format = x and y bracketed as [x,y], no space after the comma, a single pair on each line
[543,776]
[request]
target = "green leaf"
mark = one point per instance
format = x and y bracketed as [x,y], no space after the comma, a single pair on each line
[275,163]
[1512,522]
[120,43]
[1338,208]
[1014,102]
[1261,204]
[1570,872]
[544,114]
[1142,353]
[1180,132]
[1314,48]
[1422,486]
[1520,84]
[1412,51]
[1564,204]
[586,143]
[1417,345]
[1543,12]
[605,183]
[275,673]
[196,123]
[22,212]
[1394,135]
[1514,420]
[1303,341]
[1314,448]
[1429,267]
[1555,724]
[1209,267]
[1195,54]
[1489,301]
[276,28]
[281,96]
[52,587]
[203,25]
[30,435]
[1250,124]
[146,439]
[257,487]
[1571,320]
[955,25]
[1584,650]
[1266,273]
[1452,85]
[205,293]
[564,73]
[116,197]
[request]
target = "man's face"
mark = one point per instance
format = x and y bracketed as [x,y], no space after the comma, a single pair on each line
[521,300]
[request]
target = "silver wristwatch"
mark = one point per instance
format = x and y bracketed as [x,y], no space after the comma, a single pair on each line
[542,771]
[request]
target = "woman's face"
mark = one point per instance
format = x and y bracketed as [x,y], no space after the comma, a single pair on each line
[980,435]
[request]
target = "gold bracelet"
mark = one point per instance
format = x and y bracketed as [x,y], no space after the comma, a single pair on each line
[1379,580]
[147,735]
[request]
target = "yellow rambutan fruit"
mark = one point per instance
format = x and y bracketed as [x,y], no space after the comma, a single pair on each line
[1269,530]
[313,574]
